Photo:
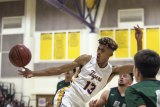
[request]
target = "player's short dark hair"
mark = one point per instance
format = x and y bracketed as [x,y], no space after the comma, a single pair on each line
[131,75]
[147,62]
[110,43]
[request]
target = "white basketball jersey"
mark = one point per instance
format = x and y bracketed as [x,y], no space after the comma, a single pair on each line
[90,81]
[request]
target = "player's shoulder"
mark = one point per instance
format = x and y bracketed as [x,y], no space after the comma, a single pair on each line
[62,81]
[130,90]
[151,83]
[138,85]
[114,90]
[105,93]
[147,83]
[84,58]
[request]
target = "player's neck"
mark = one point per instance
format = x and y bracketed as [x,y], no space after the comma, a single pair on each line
[122,90]
[144,78]
[103,65]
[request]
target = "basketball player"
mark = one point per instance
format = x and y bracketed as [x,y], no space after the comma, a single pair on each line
[145,93]
[115,97]
[118,100]
[93,77]
[66,82]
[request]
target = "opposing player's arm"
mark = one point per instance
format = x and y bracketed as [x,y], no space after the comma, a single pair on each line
[123,69]
[81,60]
[138,37]
[102,101]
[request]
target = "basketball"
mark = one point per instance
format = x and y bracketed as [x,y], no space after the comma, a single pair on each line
[19,55]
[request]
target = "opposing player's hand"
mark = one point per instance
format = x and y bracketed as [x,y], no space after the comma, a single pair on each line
[27,73]
[92,103]
[138,33]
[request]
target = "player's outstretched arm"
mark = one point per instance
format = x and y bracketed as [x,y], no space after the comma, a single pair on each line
[124,69]
[102,101]
[81,60]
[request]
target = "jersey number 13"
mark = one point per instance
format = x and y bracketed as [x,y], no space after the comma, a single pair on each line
[89,87]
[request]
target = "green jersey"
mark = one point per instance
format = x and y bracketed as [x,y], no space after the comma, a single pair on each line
[62,84]
[115,99]
[144,93]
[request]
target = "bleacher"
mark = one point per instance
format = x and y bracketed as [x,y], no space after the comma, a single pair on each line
[8,96]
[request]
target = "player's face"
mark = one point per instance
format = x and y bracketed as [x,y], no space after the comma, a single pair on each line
[103,54]
[124,80]
[69,74]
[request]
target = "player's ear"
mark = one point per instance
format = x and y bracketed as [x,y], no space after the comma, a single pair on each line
[130,83]
[138,72]
[135,71]
[138,75]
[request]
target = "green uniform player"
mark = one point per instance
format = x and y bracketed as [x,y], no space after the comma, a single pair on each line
[146,92]
[115,99]
[68,78]
[62,84]
[66,82]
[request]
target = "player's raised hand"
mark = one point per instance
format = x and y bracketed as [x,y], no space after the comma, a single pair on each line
[138,36]
[27,73]
[138,33]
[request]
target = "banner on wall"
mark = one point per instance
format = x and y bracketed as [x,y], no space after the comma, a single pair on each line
[122,41]
[60,45]
[73,45]
[46,46]
[106,33]
[153,39]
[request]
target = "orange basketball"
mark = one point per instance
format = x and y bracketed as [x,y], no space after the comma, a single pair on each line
[19,55]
